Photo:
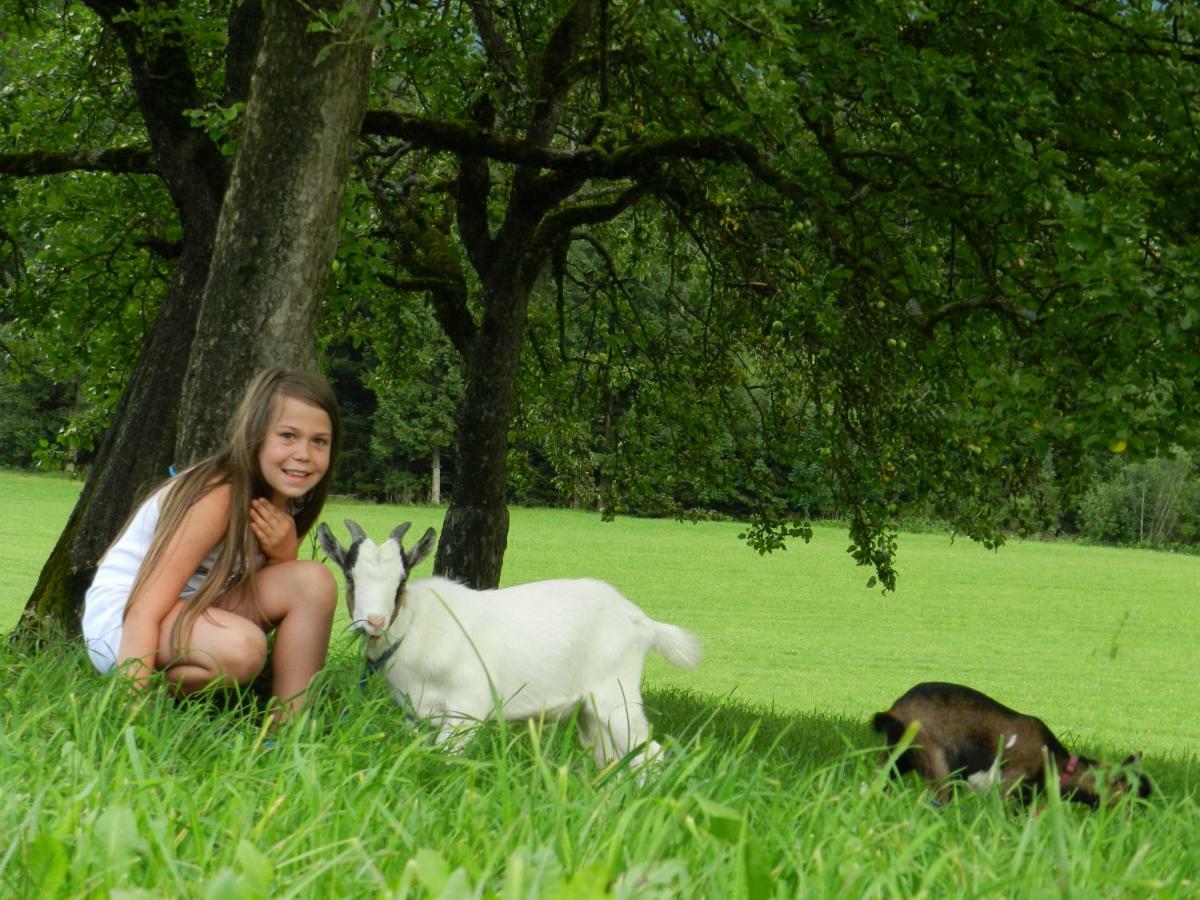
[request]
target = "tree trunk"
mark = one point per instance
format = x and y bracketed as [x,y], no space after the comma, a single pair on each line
[270,243]
[139,444]
[435,475]
[145,420]
[278,229]
[475,530]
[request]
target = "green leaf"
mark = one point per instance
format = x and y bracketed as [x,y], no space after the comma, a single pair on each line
[720,821]
[756,866]
[432,870]
[46,864]
[257,870]
[225,885]
[589,883]
[116,837]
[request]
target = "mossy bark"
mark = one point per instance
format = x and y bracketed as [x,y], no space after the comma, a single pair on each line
[278,228]
[253,265]
[139,444]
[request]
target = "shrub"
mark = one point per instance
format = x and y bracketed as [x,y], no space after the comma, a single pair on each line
[1153,504]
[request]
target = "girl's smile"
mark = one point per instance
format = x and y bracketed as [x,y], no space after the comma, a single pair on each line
[294,455]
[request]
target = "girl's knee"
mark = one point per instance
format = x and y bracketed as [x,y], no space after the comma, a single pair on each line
[245,654]
[319,585]
[323,579]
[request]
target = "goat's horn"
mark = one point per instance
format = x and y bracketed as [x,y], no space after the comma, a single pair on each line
[355,530]
[398,533]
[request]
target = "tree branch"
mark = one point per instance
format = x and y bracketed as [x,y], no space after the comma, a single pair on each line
[929,321]
[499,54]
[413,285]
[1173,44]
[553,85]
[630,161]
[575,216]
[188,161]
[422,248]
[33,163]
[472,189]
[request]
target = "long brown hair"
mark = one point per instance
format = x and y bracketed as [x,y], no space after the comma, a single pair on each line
[237,466]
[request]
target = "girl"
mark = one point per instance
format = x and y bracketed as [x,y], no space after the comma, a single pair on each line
[207,566]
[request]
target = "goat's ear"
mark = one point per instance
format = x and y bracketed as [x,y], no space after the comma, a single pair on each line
[356,532]
[420,549]
[398,532]
[330,545]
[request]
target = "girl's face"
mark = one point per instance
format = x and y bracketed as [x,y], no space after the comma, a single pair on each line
[294,455]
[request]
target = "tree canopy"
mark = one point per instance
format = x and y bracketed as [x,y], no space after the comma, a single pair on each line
[703,255]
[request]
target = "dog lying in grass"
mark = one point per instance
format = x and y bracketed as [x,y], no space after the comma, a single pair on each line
[963,733]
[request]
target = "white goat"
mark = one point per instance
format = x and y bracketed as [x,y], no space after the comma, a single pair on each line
[456,655]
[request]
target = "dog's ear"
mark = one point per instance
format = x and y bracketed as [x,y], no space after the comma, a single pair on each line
[1131,773]
[887,724]
[1134,762]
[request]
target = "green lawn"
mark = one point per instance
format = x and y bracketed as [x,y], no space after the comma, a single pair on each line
[1102,643]
[771,784]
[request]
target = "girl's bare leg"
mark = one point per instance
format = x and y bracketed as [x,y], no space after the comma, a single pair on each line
[297,599]
[224,649]
[228,644]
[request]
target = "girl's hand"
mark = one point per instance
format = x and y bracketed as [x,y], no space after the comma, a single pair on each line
[274,530]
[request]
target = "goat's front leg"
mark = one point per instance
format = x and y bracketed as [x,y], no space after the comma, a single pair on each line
[455,730]
[454,710]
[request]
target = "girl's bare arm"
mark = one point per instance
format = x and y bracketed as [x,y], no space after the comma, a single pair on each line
[201,529]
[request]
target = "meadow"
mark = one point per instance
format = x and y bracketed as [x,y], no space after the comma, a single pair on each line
[771,786]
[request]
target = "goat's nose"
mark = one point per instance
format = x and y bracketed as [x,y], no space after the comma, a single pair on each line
[376,621]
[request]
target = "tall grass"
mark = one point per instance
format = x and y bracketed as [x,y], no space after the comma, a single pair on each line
[105,798]
[771,781]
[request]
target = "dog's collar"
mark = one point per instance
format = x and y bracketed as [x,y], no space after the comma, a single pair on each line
[1068,771]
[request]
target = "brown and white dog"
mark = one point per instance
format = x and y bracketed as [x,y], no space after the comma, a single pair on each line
[964,733]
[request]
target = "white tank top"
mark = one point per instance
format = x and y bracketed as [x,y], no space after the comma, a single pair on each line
[105,601]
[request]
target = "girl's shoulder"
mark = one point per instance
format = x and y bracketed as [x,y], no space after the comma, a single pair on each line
[216,496]
[206,519]
[211,497]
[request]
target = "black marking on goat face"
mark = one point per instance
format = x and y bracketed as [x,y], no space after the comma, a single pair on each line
[398,599]
[408,560]
[348,573]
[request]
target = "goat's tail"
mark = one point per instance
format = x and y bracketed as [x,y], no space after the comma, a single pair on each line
[681,648]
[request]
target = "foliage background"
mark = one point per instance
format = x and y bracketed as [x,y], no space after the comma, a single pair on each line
[968,283]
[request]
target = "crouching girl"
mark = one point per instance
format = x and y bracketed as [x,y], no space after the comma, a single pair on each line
[206,567]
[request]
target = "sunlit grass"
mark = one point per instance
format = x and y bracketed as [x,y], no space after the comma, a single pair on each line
[1099,642]
[189,800]
[771,784]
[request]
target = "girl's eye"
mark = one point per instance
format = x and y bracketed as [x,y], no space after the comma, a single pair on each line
[321,442]
[287,435]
